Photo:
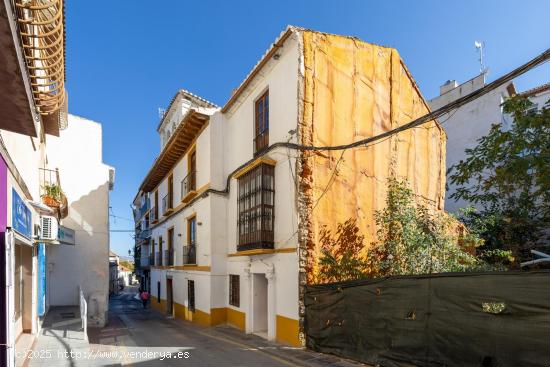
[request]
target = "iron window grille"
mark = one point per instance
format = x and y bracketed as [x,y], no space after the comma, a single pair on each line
[234,290]
[191,295]
[256,202]
[158,292]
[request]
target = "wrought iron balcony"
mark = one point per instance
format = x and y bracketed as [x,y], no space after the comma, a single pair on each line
[144,261]
[152,259]
[167,207]
[51,193]
[169,255]
[189,186]
[158,258]
[190,254]
[153,214]
[143,234]
[145,205]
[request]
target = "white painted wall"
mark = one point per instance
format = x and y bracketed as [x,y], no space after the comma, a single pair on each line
[467,124]
[85,181]
[540,99]
[222,147]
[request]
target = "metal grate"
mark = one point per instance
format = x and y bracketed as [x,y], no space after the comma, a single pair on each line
[191,295]
[234,290]
[256,208]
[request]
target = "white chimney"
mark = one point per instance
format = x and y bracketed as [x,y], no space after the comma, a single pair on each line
[449,85]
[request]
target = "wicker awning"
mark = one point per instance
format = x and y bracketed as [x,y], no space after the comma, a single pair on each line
[189,128]
[42,30]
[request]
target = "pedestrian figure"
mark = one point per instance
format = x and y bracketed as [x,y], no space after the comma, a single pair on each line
[144,298]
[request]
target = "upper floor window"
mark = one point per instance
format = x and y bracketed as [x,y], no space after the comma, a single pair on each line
[261,123]
[190,251]
[256,208]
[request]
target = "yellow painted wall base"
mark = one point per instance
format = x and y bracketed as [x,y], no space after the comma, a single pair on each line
[236,318]
[288,331]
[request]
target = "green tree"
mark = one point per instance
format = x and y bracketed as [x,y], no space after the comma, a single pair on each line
[341,254]
[413,239]
[508,176]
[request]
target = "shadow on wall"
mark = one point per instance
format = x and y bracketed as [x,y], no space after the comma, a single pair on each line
[86,263]
[340,255]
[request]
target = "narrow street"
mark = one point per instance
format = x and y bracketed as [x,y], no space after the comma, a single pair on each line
[139,337]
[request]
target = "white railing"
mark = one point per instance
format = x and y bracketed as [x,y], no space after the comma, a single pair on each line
[83,312]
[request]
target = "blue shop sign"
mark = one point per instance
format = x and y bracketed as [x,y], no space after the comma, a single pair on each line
[20,216]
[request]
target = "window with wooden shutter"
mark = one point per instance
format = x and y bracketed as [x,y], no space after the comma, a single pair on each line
[261,123]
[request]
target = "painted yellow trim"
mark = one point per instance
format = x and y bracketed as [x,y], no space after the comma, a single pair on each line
[203,188]
[263,251]
[180,207]
[190,195]
[218,316]
[288,331]
[192,267]
[236,318]
[254,164]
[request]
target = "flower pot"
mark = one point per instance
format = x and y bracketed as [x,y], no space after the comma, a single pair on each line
[50,201]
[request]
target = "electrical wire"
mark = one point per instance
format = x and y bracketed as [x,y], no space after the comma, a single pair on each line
[431,116]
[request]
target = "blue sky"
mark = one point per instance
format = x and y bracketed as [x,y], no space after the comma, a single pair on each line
[125,59]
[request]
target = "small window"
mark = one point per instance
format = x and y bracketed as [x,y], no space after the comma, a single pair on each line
[191,295]
[261,123]
[234,290]
[158,292]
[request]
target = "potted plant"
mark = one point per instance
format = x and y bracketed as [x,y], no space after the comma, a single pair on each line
[52,195]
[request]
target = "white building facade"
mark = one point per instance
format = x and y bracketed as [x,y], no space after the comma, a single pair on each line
[203,268]
[231,231]
[468,123]
[82,264]
[472,121]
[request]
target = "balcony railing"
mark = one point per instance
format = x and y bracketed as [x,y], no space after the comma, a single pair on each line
[152,259]
[169,255]
[190,254]
[51,193]
[153,214]
[158,258]
[144,261]
[189,184]
[144,207]
[143,234]
[166,205]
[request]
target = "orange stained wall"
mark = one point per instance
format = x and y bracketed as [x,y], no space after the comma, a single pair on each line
[352,90]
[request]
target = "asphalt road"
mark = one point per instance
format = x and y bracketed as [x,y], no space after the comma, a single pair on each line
[139,337]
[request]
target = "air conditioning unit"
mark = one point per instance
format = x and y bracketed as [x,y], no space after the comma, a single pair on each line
[49,228]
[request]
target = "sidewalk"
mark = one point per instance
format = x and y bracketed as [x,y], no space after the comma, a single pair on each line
[61,333]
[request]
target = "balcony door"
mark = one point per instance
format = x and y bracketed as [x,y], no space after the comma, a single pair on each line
[170,192]
[193,171]
[170,252]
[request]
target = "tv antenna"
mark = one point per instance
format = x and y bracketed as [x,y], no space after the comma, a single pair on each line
[480,45]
